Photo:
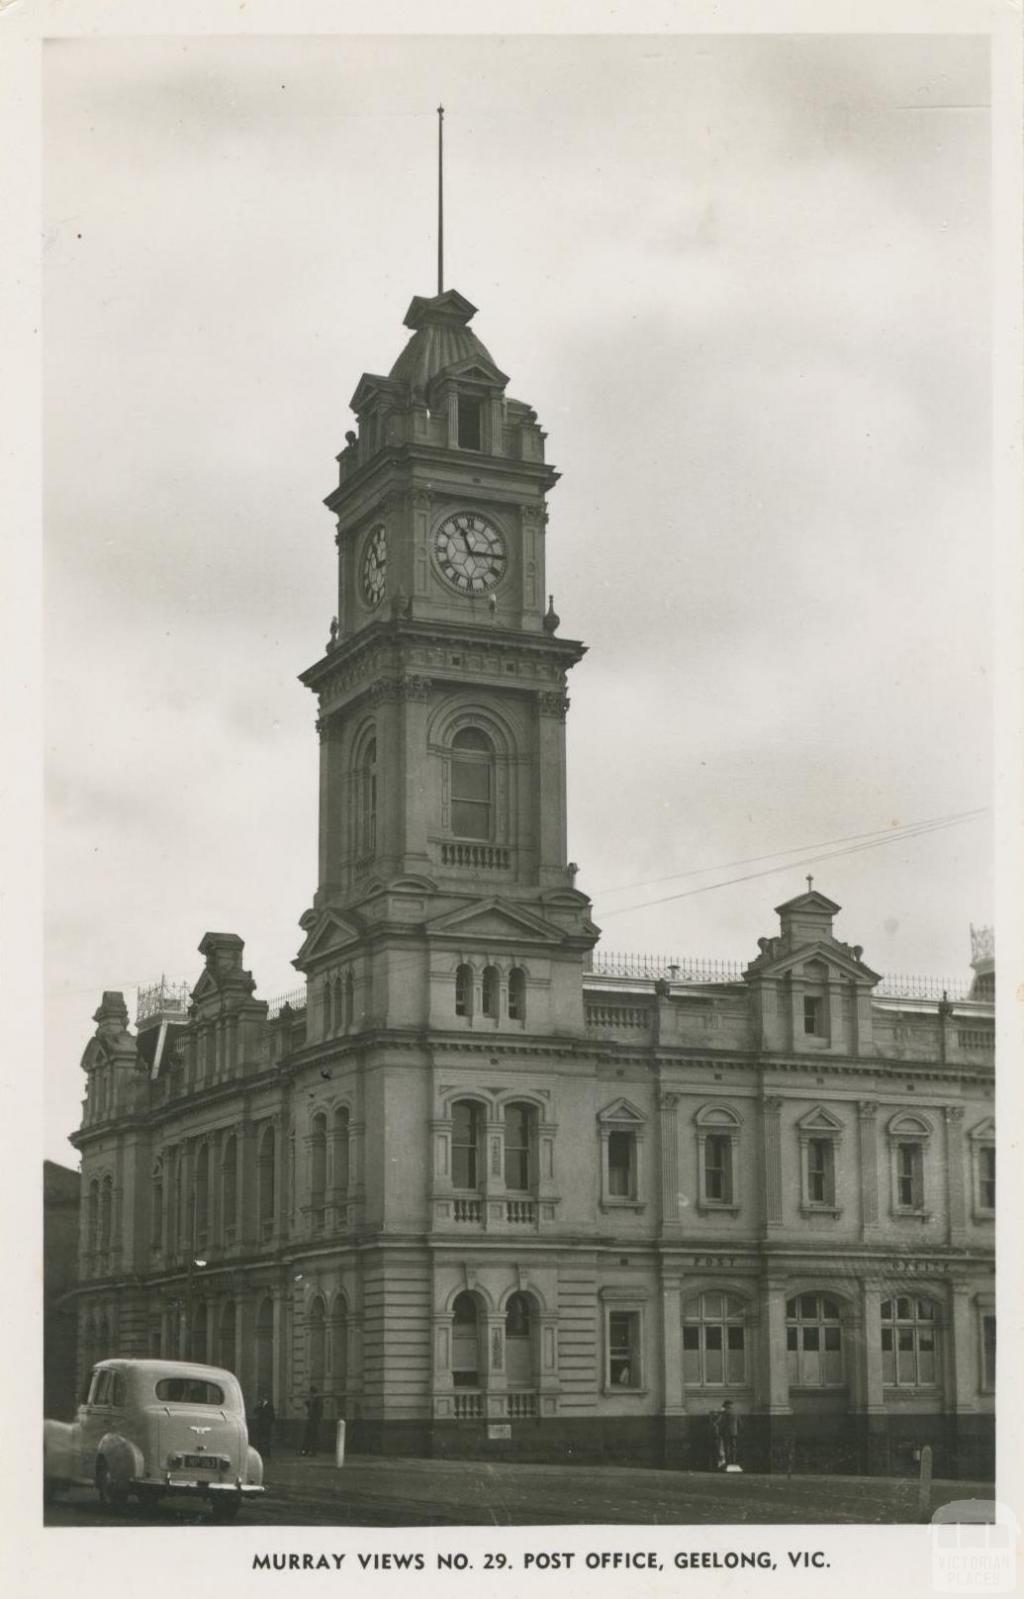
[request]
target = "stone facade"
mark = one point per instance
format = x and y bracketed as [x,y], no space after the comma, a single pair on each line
[61,1231]
[487,1199]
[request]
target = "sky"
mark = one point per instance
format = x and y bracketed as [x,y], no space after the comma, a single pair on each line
[744,281]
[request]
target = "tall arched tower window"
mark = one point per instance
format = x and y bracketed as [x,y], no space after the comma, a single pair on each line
[465,1144]
[520,1141]
[229,1189]
[368,798]
[472,784]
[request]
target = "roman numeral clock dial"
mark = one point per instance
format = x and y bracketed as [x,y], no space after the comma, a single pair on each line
[470,553]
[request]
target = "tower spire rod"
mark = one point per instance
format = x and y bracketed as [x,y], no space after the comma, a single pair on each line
[440,199]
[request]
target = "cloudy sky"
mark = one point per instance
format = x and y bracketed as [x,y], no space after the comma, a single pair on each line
[745,283]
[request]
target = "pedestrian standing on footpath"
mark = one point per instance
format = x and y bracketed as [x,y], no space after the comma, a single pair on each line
[729,1428]
[314,1413]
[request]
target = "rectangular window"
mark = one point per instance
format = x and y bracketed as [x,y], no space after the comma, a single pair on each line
[622,1165]
[736,1355]
[814,1016]
[471,799]
[909,1187]
[820,1172]
[718,1169]
[518,1129]
[624,1349]
[987,1177]
[470,424]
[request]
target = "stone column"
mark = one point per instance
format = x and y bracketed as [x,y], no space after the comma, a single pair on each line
[550,811]
[961,1362]
[867,1390]
[772,1386]
[494,1375]
[772,1158]
[868,1151]
[673,1389]
[956,1198]
[668,1161]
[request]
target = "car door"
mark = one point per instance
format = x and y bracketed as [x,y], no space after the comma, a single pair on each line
[94,1421]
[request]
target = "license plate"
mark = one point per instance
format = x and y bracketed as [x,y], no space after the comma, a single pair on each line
[200,1463]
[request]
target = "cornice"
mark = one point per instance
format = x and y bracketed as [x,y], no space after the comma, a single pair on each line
[392,636]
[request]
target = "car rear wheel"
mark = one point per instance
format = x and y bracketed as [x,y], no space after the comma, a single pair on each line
[225,1508]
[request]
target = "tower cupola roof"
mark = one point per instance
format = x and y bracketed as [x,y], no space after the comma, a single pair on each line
[441,338]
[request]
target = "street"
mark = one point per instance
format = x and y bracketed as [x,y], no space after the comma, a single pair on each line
[373,1492]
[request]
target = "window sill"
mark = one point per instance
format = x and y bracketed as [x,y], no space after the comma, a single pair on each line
[979,1213]
[909,1388]
[719,1207]
[911,1213]
[621,1388]
[810,1208]
[612,1203]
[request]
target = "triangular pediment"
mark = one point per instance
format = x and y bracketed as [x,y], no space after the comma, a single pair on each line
[985,1131]
[327,935]
[812,901]
[622,1111]
[820,1120]
[494,919]
[791,962]
[371,387]
[473,369]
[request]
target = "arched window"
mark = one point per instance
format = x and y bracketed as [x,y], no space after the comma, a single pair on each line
[226,1336]
[465,1144]
[908,1343]
[517,995]
[715,1341]
[229,1189]
[318,1172]
[341,1155]
[520,1137]
[325,1006]
[491,997]
[106,1212]
[350,999]
[465,1342]
[472,784]
[520,1342]
[156,1214]
[338,1020]
[368,798]
[814,1341]
[103,1340]
[202,1194]
[267,1181]
[464,990]
[317,1342]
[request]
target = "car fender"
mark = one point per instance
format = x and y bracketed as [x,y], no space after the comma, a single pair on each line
[123,1460]
[254,1466]
[59,1449]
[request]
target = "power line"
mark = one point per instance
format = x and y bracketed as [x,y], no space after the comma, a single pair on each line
[809,860]
[795,849]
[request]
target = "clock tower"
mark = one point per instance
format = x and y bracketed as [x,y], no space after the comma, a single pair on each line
[445,898]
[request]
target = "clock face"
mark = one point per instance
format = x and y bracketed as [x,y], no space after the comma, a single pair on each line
[375,566]
[470,552]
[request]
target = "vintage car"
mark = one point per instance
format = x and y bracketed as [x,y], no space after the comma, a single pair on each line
[151,1428]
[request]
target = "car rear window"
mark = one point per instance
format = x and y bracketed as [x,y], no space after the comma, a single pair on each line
[189,1391]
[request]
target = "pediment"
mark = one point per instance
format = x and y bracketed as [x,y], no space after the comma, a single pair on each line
[622,1110]
[909,1124]
[472,369]
[329,934]
[820,1120]
[370,387]
[495,919]
[985,1131]
[790,963]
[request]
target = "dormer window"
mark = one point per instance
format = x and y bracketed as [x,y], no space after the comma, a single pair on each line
[470,423]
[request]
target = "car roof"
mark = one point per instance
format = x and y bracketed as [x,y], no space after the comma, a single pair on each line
[166,1368]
